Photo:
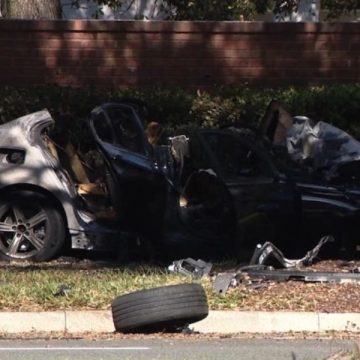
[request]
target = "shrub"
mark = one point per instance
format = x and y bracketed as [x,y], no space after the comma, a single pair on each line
[178,108]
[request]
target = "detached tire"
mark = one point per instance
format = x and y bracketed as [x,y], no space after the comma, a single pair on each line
[163,308]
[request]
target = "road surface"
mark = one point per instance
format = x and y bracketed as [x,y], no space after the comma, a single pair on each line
[224,349]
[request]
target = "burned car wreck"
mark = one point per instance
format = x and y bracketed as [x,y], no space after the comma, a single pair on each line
[209,193]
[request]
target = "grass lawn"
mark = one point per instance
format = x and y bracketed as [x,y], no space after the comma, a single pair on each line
[33,287]
[93,285]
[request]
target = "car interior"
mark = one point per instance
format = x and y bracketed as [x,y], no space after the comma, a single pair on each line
[203,203]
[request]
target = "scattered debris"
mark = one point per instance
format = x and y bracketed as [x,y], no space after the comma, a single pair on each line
[191,267]
[305,276]
[63,290]
[268,250]
[258,271]
[223,281]
[253,277]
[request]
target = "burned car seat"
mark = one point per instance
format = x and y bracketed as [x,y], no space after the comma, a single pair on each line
[208,204]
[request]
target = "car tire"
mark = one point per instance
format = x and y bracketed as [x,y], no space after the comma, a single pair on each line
[31,227]
[165,308]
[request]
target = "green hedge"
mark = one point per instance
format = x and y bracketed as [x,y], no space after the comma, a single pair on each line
[177,108]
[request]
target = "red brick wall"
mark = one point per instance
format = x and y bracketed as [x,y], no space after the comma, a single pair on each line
[190,54]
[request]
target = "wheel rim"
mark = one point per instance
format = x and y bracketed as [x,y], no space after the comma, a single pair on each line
[22,230]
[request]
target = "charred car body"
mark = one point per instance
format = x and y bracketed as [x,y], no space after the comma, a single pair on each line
[210,193]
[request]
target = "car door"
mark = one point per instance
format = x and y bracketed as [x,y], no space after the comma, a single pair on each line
[137,186]
[265,202]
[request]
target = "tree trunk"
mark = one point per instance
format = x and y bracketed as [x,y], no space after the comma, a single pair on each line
[31,9]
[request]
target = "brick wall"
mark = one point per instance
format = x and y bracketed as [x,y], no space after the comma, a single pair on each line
[189,54]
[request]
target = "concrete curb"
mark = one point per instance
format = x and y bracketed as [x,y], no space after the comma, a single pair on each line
[267,322]
[223,322]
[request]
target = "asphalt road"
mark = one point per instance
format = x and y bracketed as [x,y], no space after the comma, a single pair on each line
[226,349]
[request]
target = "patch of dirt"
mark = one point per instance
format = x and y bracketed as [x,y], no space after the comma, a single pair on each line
[62,263]
[335,265]
[296,296]
[304,296]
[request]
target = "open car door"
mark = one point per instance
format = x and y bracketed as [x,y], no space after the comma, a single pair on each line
[275,122]
[137,187]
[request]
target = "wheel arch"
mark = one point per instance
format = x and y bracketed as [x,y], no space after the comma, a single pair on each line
[40,190]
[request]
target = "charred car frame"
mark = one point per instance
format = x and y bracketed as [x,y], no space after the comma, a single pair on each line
[207,193]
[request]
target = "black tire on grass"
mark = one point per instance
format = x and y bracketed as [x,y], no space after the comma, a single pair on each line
[165,308]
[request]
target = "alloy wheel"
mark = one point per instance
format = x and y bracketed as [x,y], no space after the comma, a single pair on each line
[22,230]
